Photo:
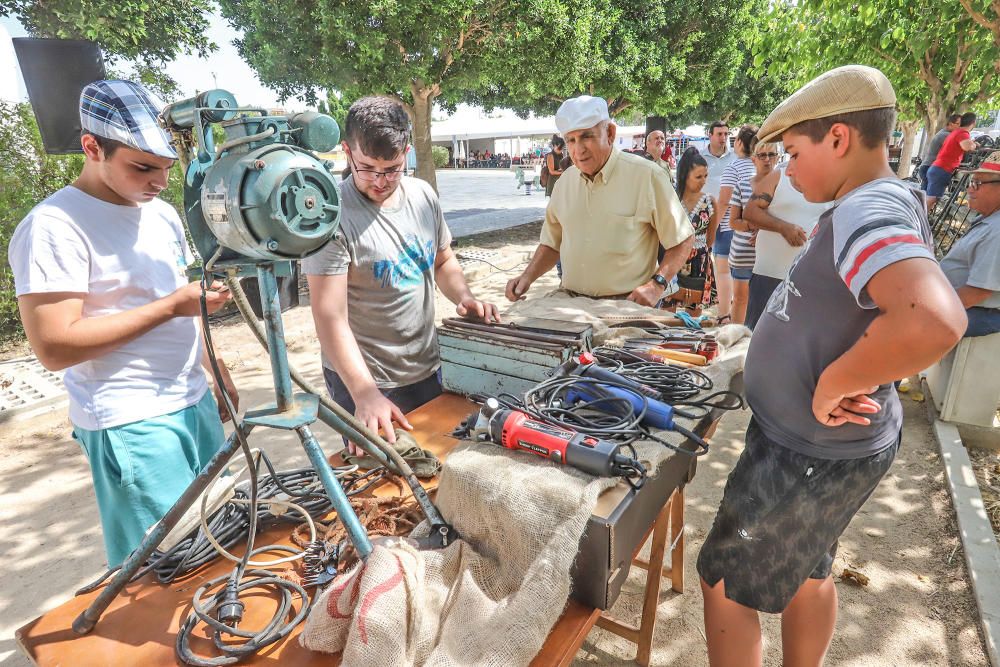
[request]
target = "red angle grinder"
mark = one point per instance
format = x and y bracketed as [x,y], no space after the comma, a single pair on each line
[516,430]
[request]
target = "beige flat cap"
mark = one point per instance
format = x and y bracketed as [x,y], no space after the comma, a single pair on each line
[842,90]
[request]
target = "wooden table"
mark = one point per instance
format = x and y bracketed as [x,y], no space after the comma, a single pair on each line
[140,626]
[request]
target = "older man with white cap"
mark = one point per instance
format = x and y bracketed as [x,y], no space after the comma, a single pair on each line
[609,214]
[99,269]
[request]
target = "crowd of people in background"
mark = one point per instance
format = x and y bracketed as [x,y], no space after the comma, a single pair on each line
[750,221]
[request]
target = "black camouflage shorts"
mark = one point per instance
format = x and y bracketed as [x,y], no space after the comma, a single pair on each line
[781,516]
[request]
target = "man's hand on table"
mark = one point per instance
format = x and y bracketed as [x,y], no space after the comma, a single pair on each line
[647,294]
[473,308]
[517,287]
[377,412]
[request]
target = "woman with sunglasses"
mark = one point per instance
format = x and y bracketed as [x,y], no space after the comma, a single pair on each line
[781,220]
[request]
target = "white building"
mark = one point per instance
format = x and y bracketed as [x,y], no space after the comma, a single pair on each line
[472,130]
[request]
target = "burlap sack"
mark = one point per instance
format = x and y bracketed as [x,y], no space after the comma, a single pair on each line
[488,599]
[601,313]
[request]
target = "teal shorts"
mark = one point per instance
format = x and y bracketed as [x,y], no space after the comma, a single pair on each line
[141,469]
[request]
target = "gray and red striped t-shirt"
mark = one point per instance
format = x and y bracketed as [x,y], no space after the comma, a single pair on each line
[822,309]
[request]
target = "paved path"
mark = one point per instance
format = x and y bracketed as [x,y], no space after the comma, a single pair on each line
[481,200]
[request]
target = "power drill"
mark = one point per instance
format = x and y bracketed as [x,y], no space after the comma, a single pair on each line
[514,429]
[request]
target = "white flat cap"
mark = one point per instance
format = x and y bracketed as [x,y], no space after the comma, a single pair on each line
[580,113]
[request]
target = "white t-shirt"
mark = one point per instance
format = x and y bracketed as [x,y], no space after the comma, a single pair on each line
[716,167]
[774,254]
[713,184]
[121,257]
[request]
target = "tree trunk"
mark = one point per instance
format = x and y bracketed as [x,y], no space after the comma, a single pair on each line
[420,115]
[937,118]
[909,128]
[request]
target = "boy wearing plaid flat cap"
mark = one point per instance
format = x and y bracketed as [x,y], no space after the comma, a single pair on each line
[864,304]
[99,269]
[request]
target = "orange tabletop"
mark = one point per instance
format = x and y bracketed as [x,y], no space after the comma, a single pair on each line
[140,627]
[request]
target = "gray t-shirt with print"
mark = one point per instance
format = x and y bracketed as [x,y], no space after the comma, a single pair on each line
[822,309]
[388,256]
[974,260]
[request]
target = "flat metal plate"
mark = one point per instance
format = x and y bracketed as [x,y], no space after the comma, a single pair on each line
[467,258]
[26,384]
[304,410]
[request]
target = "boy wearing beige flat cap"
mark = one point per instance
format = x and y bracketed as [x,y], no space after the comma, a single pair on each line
[863,305]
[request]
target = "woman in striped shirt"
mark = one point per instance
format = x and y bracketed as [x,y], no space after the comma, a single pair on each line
[737,177]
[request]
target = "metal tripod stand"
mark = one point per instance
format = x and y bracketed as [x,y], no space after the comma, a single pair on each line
[291,412]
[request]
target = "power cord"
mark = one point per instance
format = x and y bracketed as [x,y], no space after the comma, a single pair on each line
[228,525]
[676,385]
[223,610]
[601,414]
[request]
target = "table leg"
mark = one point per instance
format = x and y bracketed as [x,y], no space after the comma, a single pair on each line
[677,541]
[642,636]
[651,599]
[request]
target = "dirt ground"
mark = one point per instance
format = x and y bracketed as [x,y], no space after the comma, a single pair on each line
[987,467]
[917,609]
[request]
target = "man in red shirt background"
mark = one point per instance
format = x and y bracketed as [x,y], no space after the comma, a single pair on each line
[948,159]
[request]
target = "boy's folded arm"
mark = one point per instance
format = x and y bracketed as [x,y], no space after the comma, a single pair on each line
[920,319]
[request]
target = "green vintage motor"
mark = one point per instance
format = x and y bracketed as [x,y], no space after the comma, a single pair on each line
[262,195]
[273,202]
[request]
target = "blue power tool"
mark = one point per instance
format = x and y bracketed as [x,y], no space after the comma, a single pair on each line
[657,414]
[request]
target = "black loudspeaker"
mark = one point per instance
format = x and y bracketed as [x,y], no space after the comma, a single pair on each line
[55,71]
[654,123]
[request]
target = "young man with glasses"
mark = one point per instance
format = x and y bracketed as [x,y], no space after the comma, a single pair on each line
[972,266]
[372,286]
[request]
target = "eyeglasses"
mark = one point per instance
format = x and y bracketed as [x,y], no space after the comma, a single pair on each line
[372,174]
[975,183]
[766,156]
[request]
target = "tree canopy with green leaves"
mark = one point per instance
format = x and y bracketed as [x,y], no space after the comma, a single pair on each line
[144,34]
[527,56]
[661,56]
[416,51]
[749,98]
[939,59]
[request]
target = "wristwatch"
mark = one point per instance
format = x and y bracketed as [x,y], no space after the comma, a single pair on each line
[659,280]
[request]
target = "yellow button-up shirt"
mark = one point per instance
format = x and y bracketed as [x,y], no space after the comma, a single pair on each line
[607,230]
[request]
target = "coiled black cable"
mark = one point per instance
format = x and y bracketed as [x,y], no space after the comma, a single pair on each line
[227,636]
[229,523]
[675,384]
[604,416]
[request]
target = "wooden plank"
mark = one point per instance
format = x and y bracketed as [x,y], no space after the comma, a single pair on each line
[140,627]
[567,635]
[468,381]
